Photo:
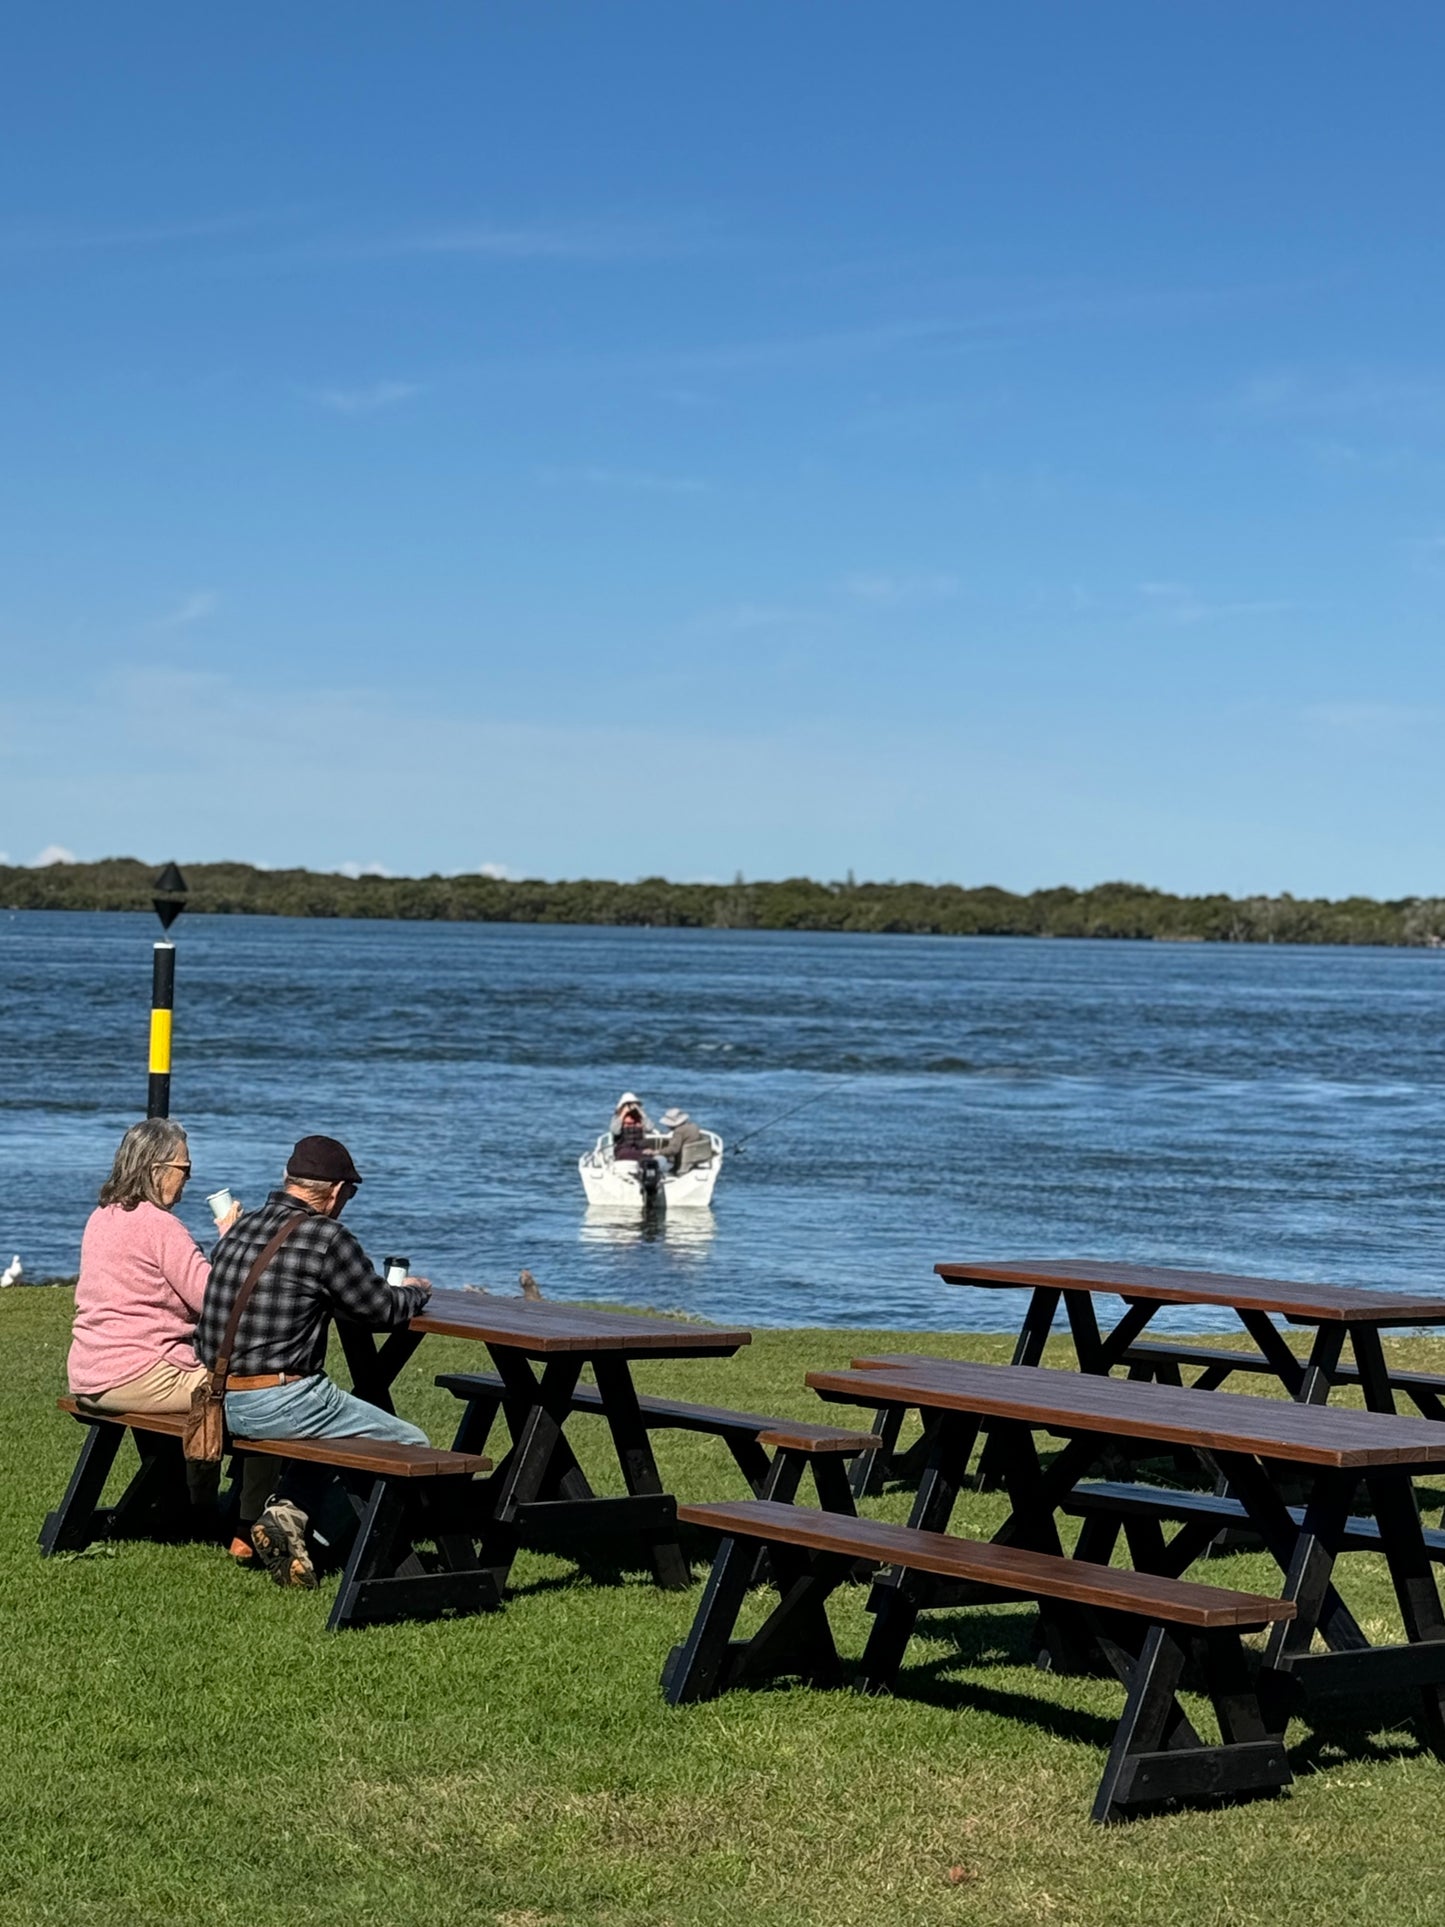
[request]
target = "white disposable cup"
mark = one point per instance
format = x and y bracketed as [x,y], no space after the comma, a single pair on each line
[220,1203]
[397,1270]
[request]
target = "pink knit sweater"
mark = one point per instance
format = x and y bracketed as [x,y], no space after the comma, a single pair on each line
[142,1278]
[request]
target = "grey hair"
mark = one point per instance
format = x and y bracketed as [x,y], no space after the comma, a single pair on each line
[134,1177]
[313,1191]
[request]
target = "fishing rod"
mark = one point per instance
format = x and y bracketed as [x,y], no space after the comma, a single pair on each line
[814,1099]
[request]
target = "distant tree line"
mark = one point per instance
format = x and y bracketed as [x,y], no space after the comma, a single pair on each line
[795,903]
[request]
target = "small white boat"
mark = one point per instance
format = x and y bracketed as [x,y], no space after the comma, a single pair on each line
[628,1182]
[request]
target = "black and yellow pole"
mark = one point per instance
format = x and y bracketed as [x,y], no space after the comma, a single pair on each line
[169,901]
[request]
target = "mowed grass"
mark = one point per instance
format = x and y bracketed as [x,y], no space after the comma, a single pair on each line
[186,1742]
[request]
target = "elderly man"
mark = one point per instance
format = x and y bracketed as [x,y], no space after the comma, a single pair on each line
[277,1386]
[685,1144]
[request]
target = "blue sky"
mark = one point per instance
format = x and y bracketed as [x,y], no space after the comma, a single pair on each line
[994,444]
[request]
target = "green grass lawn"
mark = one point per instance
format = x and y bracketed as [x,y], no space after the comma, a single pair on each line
[182,1741]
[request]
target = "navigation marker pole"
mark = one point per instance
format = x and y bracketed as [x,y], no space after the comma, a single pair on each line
[169,901]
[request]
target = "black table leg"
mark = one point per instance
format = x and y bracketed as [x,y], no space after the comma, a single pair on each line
[1270,1340]
[76,1520]
[522,1474]
[872,1469]
[1305,1553]
[1065,1647]
[1398,1516]
[1084,1328]
[373,1367]
[1307,1582]
[564,1477]
[1136,1317]
[1028,1350]
[1319,1373]
[639,1467]
[1374,1372]
[895,1597]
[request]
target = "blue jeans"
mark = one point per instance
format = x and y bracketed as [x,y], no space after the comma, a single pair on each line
[314,1408]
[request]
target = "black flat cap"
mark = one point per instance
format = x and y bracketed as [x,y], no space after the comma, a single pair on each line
[322,1158]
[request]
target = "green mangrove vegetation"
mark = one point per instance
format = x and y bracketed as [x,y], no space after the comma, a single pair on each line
[792,903]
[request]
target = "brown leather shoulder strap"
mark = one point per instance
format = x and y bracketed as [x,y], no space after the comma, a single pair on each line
[252,1279]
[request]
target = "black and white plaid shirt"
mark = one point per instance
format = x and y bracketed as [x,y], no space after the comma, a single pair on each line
[319,1273]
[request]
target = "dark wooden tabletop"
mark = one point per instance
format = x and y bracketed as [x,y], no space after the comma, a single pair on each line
[541,1330]
[1070,1402]
[1305,1303]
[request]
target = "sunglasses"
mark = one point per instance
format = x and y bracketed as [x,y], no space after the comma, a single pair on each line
[173,1164]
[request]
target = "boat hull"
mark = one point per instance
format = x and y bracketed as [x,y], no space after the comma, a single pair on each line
[618,1185]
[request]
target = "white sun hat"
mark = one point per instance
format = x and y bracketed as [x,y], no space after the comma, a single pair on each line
[671,1119]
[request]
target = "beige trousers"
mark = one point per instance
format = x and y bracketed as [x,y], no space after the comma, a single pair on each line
[166,1388]
[163,1388]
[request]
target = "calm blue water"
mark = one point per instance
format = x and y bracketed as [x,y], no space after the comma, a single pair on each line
[1271,1110]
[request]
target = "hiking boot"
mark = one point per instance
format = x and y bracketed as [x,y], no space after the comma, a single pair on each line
[279,1536]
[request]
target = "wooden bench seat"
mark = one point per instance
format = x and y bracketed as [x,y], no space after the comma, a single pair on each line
[404,1497]
[1158,1358]
[796,1444]
[1118,1503]
[1145,1625]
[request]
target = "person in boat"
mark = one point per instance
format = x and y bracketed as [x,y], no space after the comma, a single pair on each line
[629,1100]
[685,1144]
[630,1140]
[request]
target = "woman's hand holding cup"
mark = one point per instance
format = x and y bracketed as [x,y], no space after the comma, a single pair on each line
[224,1209]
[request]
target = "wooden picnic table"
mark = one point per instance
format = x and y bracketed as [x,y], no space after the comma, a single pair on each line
[539,1489]
[1338,1313]
[1262,1447]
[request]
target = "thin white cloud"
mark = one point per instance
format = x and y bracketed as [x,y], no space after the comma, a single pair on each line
[53,853]
[195,608]
[638,481]
[366,401]
[742,618]
[499,872]
[1176,604]
[1362,396]
[896,591]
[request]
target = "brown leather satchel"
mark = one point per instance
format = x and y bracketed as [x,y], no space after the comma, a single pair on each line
[204,1439]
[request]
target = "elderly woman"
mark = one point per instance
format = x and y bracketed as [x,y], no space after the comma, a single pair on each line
[142,1278]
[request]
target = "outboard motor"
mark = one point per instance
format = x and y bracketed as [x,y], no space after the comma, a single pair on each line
[649,1175]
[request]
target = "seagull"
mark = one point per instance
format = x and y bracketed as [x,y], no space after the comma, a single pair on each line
[530,1287]
[13,1272]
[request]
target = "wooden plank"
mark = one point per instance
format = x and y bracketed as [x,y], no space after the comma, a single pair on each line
[384,1456]
[1166,1285]
[1121,1500]
[1069,1402]
[1032,1575]
[820,1439]
[539,1330]
[638,1512]
[173,1424]
[358,1455]
[665,1413]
